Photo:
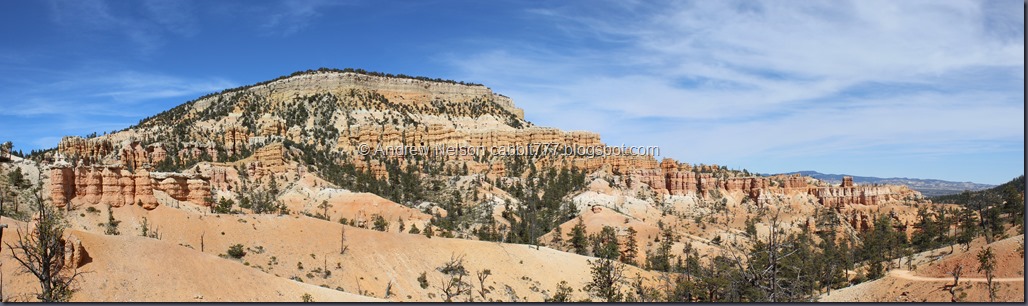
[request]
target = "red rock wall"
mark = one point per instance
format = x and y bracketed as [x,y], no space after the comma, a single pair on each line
[863,195]
[62,185]
[88,150]
[144,189]
[669,179]
[111,185]
[847,181]
[135,155]
[183,187]
[235,138]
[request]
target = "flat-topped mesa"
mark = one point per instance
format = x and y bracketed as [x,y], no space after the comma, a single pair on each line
[669,178]
[111,185]
[395,89]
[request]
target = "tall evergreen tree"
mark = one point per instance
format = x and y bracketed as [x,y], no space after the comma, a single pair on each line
[579,241]
[631,251]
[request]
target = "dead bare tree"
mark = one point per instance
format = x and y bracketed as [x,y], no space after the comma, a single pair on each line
[956,281]
[325,272]
[359,291]
[450,288]
[342,240]
[40,251]
[454,285]
[482,275]
[766,275]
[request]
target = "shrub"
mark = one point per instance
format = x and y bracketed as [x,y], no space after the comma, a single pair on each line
[111,228]
[223,206]
[381,224]
[423,280]
[236,251]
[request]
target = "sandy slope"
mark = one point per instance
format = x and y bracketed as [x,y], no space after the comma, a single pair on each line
[130,267]
[133,268]
[929,283]
[308,193]
[909,275]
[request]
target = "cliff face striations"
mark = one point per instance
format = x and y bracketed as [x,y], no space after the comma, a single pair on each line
[669,180]
[277,127]
[114,186]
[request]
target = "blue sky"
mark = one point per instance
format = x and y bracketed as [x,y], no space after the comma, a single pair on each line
[927,89]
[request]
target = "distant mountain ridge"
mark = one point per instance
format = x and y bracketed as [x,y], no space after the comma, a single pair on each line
[927,187]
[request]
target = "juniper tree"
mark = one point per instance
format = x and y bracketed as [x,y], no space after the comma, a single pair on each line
[324,209]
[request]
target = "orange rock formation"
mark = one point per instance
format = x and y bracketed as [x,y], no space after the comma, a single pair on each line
[111,185]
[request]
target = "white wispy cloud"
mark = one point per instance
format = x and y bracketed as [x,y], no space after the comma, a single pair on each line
[727,80]
[290,17]
[147,27]
[53,103]
[178,17]
[122,93]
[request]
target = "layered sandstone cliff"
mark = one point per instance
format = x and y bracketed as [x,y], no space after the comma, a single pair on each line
[129,153]
[136,155]
[669,180]
[345,111]
[88,150]
[397,90]
[111,185]
[268,160]
[436,135]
